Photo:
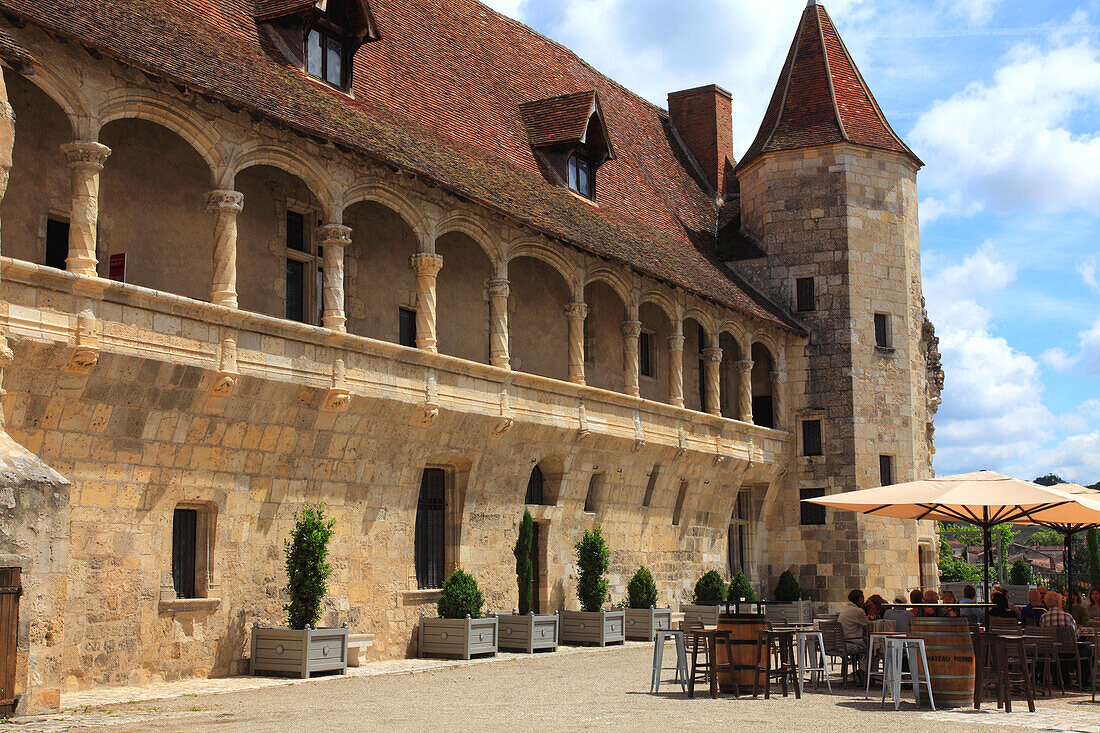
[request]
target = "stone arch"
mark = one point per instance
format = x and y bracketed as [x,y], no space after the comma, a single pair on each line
[552,470]
[462,297]
[739,333]
[394,200]
[536,313]
[614,280]
[291,162]
[775,351]
[472,228]
[539,251]
[143,105]
[603,331]
[672,310]
[653,345]
[763,400]
[67,96]
[694,342]
[730,373]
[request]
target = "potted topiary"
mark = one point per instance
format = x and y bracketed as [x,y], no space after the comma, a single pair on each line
[1019,578]
[592,624]
[299,648]
[459,632]
[523,630]
[710,590]
[643,618]
[741,591]
[789,605]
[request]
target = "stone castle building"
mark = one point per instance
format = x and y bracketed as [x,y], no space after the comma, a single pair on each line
[413,260]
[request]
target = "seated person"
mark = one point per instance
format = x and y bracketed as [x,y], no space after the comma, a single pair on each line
[874,607]
[899,616]
[854,622]
[1094,604]
[1000,607]
[930,597]
[1077,609]
[1055,616]
[949,599]
[1034,610]
[916,596]
[970,596]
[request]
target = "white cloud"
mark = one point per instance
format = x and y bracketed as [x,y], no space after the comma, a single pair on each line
[1058,359]
[1087,358]
[933,209]
[975,11]
[1010,142]
[1087,269]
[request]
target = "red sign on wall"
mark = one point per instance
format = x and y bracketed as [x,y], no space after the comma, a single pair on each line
[116,269]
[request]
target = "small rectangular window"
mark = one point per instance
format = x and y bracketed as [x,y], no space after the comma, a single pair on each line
[314,58]
[57,243]
[882,330]
[804,295]
[812,514]
[406,327]
[678,509]
[320,291]
[645,355]
[429,541]
[333,62]
[296,231]
[811,438]
[591,499]
[184,537]
[295,290]
[579,178]
[651,486]
[885,470]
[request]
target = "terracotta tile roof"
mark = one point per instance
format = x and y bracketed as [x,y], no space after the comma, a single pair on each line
[558,120]
[13,53]
[269,9]
[439,95]
[821,97]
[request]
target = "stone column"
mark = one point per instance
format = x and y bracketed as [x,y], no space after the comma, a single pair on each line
[426,267]
[676,371]
[499,355]
[224,205]
[632,331]
[85,159]
[712,358]
[334,239]
[779,379]
[576,312]
[744,393]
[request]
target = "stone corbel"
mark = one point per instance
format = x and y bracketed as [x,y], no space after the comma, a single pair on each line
[7,356]
[225,381]
[85,354]
[582,420]
[338,398]
[429,409]
[507,416]
[639,434]
[751,448]
[681,443]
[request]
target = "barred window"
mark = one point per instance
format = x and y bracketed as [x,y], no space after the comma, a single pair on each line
[184,550]
[811,438]
[534,487]
[430,539]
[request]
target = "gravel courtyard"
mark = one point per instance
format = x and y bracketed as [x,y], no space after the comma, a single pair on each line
[590,690]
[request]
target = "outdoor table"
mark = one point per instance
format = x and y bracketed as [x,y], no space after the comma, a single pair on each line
[959,606]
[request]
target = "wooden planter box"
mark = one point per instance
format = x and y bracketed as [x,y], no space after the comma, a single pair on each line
[799,612]
[528,633]
[600,627]
[695,615]
[457,638]
[642,624]
[299,652]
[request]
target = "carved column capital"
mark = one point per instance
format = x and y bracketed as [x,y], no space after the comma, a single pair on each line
[576,309]
[426,265]
[499,288]
[631,329]
[778,377]
[676,343]
[712,355]
[744,366]
[86,154]
[332,235]
[223,200]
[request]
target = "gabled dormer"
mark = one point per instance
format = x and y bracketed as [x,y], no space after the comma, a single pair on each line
[569,135]
[319,36]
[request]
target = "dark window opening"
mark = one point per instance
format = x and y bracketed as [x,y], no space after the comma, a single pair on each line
[184,536]
[590,497]
[812,514]
[296,231]
[57,243]
[804,295]
[534,487]
[882,331]
[762,412]
[431,529]
[651,486]
[678,510]
[702,371]
[645,355]
[589,343]
[885,470]
[737,533]
[580,179]
[811,438]
[295,290]
[325,56]
[406,327]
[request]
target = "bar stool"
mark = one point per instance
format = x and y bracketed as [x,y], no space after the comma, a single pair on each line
[878,638]
[708,669]
[893,675]
[1003,663]
[779,645]
[677,636]
[812,643]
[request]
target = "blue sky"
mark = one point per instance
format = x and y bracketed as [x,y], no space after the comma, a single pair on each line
[1001,99]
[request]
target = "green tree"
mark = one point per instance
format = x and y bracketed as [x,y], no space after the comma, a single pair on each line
[740,587]
[307,569]
[1051,479]
[1094,557]
[524,569]
[593,560]
[1046,538]
[460,597]
[641,591]
[710,588]
[1020,573]
[788,590]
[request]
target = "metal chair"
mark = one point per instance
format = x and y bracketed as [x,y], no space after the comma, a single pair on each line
[664,635]
[893,674]
[811,658]
[1068,651]
[837,648]
[1045,642]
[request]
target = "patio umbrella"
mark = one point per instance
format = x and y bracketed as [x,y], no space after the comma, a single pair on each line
[982,498]
[1072,524]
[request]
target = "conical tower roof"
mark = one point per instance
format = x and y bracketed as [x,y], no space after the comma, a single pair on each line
[821,97]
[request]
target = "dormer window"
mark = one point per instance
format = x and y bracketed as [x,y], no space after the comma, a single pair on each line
[325,54]
[569,138]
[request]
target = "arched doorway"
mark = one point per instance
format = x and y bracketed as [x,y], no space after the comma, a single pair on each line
[763,406]
[539,331]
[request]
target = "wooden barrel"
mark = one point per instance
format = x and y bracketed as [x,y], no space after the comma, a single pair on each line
[950,651]
[742,628]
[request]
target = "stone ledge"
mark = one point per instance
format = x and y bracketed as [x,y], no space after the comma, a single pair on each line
[189,605]
[416,597]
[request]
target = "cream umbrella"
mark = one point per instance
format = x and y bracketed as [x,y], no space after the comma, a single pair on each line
[1070,524]
[982,498]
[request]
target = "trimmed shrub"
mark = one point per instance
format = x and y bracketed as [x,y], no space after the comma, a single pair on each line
[740,587]
[710,588]
[788,590]
[307,569]
[641,591]
[593,559]
[460,597]
[524,568]
[1020,574]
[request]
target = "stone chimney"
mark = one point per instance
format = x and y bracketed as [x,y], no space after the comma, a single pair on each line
[703,117]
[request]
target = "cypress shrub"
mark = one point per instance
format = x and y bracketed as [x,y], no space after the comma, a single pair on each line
[524,569]
[1094,557]
[740,587]
[460,597]
[307,569]
[593,559]
[641,591]
[1020,574]
[710,589]
[788,590]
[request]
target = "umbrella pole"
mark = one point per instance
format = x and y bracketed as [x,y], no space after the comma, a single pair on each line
[1069,571]
[987,540]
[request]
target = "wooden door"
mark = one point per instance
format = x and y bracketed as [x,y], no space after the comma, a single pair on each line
[536,569]
[10,589]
